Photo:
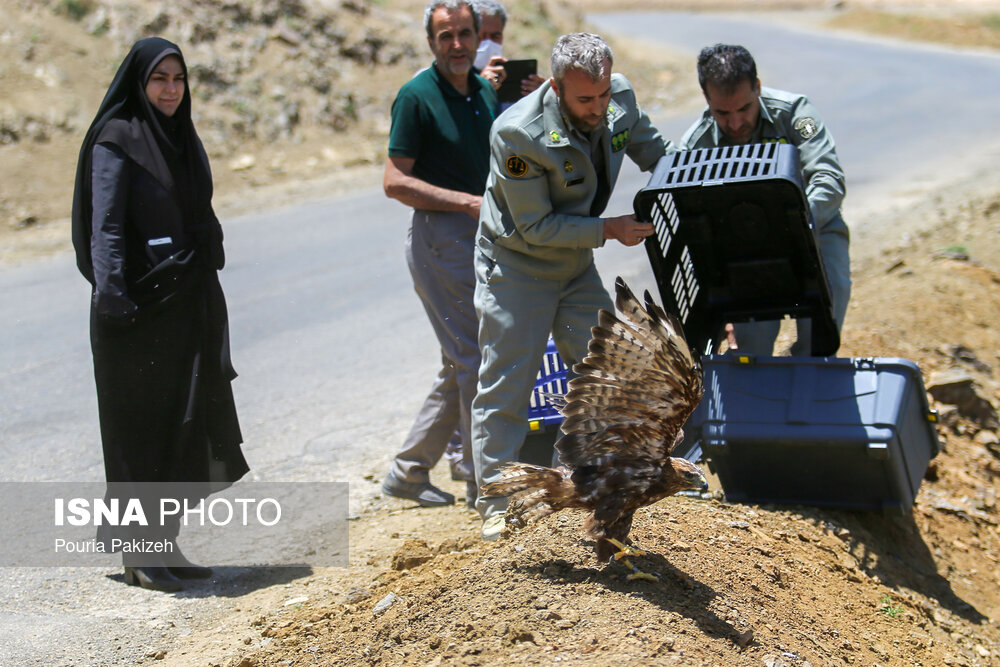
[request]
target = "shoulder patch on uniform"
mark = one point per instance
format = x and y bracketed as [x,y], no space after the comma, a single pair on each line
[806,127]
[619,141]
[516,167]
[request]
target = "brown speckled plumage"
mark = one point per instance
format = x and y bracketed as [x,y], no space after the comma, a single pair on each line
[623,417]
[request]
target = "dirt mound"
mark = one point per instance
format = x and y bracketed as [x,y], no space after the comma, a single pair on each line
[740,584]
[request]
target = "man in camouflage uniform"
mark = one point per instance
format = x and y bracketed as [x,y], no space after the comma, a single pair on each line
[740,111]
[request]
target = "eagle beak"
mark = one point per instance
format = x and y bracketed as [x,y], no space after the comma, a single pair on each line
[704,484]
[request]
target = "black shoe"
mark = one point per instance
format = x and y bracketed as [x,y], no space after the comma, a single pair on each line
[153,578]
[182,568]
[191,571]
[424,493]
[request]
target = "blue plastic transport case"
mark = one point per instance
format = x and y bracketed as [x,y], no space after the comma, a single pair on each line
[544,417]
[850,433]
[543,414]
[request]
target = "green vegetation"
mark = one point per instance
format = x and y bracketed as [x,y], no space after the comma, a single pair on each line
[887,607]
[969,30]
[991,22]
[75,9]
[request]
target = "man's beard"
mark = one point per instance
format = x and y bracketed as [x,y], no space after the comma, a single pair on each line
[581,124]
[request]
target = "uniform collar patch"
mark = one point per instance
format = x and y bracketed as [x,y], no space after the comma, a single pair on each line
[614,113]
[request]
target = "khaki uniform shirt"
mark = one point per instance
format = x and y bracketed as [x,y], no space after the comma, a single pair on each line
[539,213]
[790,118]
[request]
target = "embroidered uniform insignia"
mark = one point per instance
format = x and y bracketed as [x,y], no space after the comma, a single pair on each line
[516,167]
[619,141]
[806,127]
[554,136]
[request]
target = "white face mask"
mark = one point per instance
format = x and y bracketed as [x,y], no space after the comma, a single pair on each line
[487,49]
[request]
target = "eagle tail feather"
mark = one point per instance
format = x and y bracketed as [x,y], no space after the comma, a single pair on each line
[535,491]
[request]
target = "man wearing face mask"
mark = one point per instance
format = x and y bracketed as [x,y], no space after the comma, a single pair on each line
[555,157]
[740,111]
[492,21]
[438,163]
[489,56]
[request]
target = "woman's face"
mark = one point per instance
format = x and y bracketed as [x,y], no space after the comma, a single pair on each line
[165,87]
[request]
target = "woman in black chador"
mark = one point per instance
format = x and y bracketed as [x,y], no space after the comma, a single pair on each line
[147,239]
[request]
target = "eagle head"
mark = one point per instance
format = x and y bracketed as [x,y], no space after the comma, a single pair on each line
[685,476]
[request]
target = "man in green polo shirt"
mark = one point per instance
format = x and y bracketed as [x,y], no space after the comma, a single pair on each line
[438,162]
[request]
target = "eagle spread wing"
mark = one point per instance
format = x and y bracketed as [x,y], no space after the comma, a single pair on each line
[637,386]
[623,416]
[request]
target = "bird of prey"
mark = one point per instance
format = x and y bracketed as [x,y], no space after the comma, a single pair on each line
[623,415]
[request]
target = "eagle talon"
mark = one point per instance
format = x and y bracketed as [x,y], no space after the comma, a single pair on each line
[623,554]
[624,550]
[637,573]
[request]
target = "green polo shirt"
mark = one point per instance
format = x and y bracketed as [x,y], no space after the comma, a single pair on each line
[448,134]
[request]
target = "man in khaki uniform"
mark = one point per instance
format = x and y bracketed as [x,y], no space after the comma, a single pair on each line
[555,157]
[740,111]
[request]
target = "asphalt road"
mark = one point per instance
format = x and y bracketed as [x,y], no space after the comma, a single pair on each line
[333,348]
